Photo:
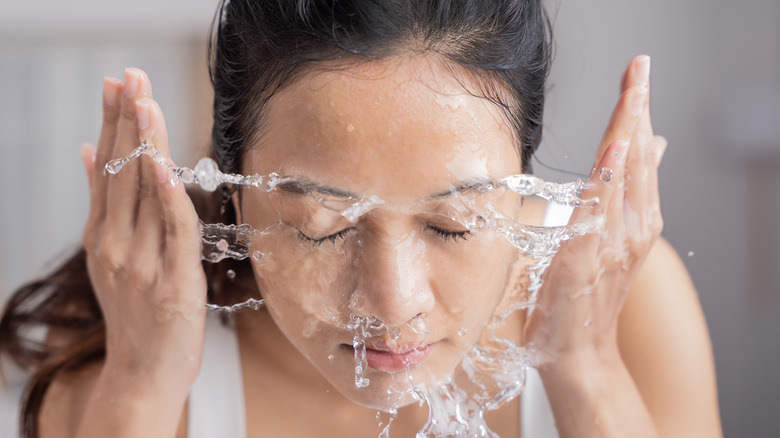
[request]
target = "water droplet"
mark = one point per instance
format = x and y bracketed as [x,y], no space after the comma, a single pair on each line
[462,331]
[251,303]
[207,173]
[605,174]
[331,357]
[350,128]
[257,256]
[231,274]
[114,166]
[690,254]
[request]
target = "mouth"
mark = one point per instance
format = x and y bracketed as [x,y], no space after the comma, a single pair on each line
[391,360]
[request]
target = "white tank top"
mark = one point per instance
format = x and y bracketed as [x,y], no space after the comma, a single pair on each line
[216,403]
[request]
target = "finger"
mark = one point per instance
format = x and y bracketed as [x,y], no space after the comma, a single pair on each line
[151,126]
[88,155]
[112,90]
[123,187]
[637,73]
[657,149]
[641,180]
[638,166]
[182,227]
[635,82]
[606,184]
[608,187]
[624,118]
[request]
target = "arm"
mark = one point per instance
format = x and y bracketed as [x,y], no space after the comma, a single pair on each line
[144,263]
[664,374]
[611,369]
[665,345]
[66,402]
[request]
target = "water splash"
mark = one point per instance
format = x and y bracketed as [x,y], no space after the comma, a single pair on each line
[219,241]
[251,303]
[364,327]
[493,371]
[114,166]
[206,173]
[361,207]
[605,174]
[561,193]
[535,241]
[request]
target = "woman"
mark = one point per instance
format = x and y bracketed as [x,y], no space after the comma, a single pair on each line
[406,103]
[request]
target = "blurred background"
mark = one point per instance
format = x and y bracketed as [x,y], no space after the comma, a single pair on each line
[715,96]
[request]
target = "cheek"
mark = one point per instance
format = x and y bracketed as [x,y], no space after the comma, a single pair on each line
[473,280]
[309,282]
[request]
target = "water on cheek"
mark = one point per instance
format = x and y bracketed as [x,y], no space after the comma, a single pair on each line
[493,368]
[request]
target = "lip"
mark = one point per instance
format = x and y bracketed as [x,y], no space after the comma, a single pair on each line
[392,360]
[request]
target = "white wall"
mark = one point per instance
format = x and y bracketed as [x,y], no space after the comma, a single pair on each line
[715,63]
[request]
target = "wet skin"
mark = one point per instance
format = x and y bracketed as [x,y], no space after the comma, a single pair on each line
[402,130]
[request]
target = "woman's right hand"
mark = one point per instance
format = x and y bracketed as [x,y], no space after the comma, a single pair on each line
[143,256]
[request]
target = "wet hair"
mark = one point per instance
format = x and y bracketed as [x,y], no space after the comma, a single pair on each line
[261,46]
[500,48]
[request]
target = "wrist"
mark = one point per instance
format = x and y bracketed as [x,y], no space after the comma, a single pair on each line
[132,406]
[594,395]
[140,391]
[590,361]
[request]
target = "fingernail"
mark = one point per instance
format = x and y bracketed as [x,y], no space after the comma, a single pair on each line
[131,83]
[643,70]
[110,95]
[142,114]
[85,147]
[638,101]
[662,143]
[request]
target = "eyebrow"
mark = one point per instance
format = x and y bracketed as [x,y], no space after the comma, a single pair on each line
[304,186]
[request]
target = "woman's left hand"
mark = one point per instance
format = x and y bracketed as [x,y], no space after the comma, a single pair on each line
[576,316]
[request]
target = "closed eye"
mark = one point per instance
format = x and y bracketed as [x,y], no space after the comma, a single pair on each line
[447,235]
[340,235]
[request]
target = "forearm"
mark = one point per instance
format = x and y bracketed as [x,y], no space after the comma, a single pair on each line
[121,406]
[595,396]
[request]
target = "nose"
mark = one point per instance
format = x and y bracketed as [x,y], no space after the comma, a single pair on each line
[393,284]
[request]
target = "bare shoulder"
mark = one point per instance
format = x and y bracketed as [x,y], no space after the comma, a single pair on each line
[66,399]
[665,344]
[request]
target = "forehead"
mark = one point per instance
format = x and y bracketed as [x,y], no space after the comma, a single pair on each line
[396,128]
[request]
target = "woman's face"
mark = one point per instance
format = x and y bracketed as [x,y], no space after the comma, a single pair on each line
[405,131]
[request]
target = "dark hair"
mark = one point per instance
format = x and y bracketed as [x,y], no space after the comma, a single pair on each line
[258,47]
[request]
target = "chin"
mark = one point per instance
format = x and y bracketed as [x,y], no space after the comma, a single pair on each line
[382,394]
[386,391]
